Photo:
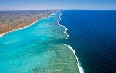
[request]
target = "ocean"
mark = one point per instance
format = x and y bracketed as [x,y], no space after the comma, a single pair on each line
[69,41]
[38,48]
[93,37]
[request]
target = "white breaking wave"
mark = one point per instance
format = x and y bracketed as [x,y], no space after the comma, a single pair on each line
[63,26]
[78,63]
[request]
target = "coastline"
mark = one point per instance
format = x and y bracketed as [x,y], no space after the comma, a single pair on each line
[17,29]
[2,34]
[65,32]
[25,26]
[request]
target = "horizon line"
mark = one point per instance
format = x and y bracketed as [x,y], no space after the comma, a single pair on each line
[53,9]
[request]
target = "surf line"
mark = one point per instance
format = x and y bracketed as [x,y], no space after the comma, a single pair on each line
[65,32]
[27,25]
[18,28]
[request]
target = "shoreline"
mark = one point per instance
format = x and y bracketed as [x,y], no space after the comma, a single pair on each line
[2,34]
[65,32]
[26,26]
[18,29]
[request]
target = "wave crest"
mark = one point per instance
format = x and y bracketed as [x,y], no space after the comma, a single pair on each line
[65,32]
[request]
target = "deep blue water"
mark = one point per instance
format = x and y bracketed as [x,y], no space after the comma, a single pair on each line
[93,36]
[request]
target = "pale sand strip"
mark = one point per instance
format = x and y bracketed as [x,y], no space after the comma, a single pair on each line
[25,26]
[17,29]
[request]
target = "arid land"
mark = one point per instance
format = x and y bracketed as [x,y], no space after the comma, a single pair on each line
[15,19]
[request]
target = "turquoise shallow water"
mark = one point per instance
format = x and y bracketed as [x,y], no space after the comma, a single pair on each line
[37,49]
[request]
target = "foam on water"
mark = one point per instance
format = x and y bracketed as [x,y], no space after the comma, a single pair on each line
[78,63]
[63,26]
[37,47]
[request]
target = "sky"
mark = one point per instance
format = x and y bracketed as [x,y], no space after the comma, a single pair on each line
[57,4]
